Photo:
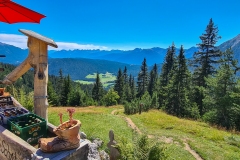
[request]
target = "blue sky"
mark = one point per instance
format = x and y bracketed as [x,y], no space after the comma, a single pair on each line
[125,24]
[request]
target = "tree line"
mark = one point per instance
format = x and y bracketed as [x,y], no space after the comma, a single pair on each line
[205,87]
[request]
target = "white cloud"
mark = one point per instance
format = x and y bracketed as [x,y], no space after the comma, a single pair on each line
[14,39]
[71,46]
[21,42]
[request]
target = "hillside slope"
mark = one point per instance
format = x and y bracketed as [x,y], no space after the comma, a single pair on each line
[172,132]
[79,68]
[14,55]
[234,44]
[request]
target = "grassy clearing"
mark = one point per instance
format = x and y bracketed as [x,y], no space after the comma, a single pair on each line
[210,143]
[104,77]
[107,79]
[207,141]
[177,152]
[96,121]
[84,82]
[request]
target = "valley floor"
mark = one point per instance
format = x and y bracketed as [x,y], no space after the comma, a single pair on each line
[184,139]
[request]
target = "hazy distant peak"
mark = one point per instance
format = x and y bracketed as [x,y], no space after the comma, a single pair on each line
[234,43]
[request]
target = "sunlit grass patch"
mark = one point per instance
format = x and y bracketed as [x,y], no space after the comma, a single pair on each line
[177,152]
[96,121]
[208,141]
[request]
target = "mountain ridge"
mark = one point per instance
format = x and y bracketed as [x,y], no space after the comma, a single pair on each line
[79,63]
[234,43]
[135,56]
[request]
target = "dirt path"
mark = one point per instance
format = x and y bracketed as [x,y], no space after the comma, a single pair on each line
[129,122]
[132,125]
[188,148]
[115,110]
[162,138]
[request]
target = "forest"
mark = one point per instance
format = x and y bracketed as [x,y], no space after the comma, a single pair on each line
[205,87]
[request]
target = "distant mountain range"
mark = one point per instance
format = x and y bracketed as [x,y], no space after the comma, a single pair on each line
[79,63]
[14,55]
[136,56]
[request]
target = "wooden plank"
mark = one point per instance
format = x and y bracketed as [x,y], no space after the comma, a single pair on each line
[38,36]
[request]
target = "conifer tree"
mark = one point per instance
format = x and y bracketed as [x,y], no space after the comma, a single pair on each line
[74,97]
[167,67]
[59,89]
[153,80]
[97,91]
[177,89]
[132,88]
[143,79]
[221,100]
[126,89]
[52,95]
[125,76]
[119,85]
[67,87]
[204,60]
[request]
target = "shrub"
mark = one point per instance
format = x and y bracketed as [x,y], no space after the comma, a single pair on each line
[141,148]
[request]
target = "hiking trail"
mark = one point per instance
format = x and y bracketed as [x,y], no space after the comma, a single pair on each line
[162,138]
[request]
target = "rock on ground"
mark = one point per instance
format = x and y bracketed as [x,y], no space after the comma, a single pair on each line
[93,153]
[104,155]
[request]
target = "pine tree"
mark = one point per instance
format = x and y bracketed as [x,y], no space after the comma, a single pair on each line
[143,79]
[125,76]
[126,89]
[52,96]
[153,80]
[97,91]
[132,88]
[167,67]
[204,60]
[177,101]
[119,86]
[76,96]
[59,89]
[67,87]
[222,95]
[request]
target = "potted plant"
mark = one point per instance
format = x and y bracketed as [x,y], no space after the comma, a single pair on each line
[67,135]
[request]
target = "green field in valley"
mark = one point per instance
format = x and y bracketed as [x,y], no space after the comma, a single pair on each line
[107,79]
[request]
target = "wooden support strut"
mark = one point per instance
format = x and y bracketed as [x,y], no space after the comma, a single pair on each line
[38,59]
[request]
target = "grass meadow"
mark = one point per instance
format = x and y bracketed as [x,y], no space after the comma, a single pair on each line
[107,79]
[209,142]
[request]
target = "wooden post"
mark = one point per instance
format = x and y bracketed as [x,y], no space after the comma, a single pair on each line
[38,48]
[38,59]
[40,63]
